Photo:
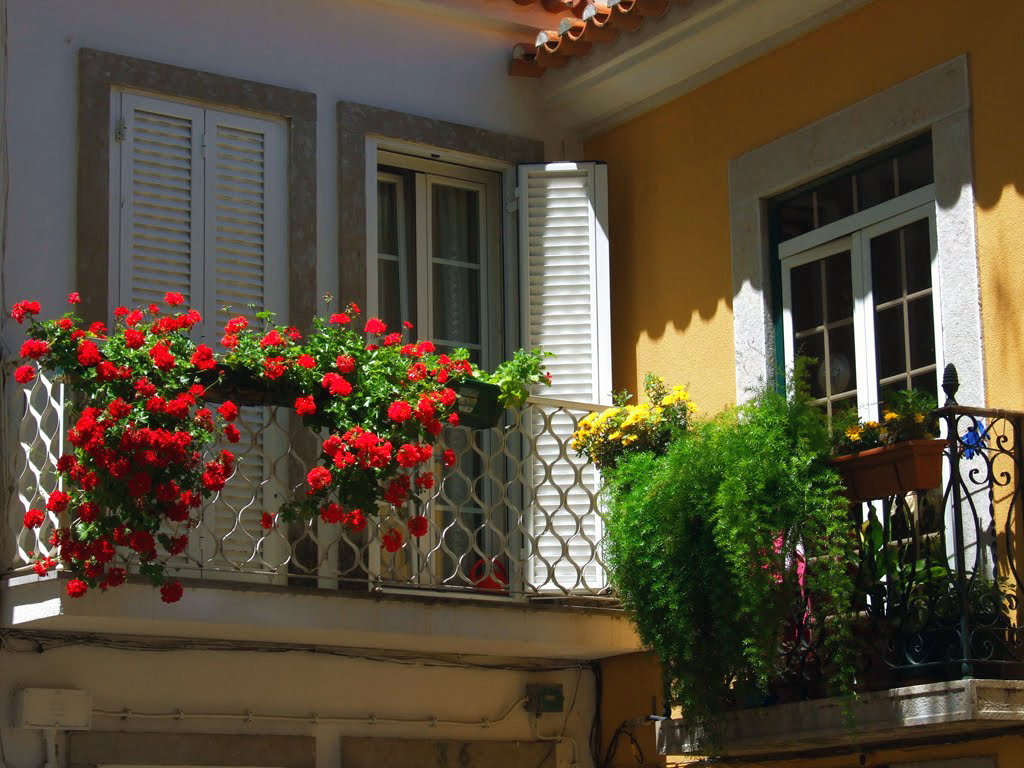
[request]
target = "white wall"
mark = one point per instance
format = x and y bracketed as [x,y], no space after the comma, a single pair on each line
[298,684]
[355,50]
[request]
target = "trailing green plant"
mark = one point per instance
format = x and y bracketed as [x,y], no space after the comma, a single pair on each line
[515,377]
[712,544]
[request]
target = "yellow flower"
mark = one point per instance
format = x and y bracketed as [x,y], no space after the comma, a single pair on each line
[853,433]
[918,418]
[871,425]
[890,416]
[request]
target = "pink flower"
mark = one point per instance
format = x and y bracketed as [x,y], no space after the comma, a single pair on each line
[74,298]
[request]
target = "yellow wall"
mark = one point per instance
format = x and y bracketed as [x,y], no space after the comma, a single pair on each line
[1007,750]
[631,688]
[668,177]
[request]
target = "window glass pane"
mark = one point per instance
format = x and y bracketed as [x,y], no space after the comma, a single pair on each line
[927,382]
[389,302]
[387,217]
[456,304]
[813,346]
[796,216]
[889,348]
[842,362]
[835,200]
[456,224]
[915,168]
[918,249]
[886,275]
[839,286]
[876,184]
[922,332]
[805,282]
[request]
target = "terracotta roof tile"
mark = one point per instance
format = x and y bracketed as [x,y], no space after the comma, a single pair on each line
[576,26]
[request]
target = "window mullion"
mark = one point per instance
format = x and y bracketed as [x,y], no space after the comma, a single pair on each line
[864,336]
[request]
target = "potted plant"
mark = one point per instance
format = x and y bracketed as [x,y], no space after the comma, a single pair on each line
[720,534]
[896,455]
[485,395]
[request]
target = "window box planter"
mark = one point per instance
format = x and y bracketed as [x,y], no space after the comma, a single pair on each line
[877,473]
[478,405]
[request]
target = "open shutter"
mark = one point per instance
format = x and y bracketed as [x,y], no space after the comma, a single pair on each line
[563,244]
[161,221]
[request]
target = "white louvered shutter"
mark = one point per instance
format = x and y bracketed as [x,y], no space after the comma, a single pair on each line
[563,245]
[245,247]
[203,211]
[161,211]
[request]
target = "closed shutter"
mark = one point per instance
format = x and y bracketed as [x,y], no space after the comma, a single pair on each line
[246,231]
[203,211]
[563,245]
[161,223]
[246,239]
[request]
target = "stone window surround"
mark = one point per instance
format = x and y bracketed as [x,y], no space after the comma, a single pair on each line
[937,100]
[359,122]
[98,73]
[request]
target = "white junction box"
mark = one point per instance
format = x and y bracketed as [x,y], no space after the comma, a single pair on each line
[65,709]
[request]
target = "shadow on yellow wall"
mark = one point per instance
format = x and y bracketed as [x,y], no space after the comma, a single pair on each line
[668,176]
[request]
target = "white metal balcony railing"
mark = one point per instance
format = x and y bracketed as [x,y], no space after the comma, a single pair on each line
[517,515]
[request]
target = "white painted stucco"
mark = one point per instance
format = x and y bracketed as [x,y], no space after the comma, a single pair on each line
[399,56]
[393,56]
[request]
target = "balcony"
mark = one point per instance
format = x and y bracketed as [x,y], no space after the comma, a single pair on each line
[515,524]
[939,648]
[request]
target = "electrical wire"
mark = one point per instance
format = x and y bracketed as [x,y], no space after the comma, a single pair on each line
[126,713]
[41,642]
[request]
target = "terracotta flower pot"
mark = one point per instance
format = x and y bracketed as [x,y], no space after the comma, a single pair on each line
[914,465]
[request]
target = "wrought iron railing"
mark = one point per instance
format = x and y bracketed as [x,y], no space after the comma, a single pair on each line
[939,572]
[517,515]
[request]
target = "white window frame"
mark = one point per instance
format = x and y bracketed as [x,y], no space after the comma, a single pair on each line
[937,100]
[854,234]
[454,169]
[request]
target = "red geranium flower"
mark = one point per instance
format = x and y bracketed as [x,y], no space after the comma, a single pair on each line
[305,406]
[74,298]
[202,358]
[58,501]
[173,299]
[33,349]
[449,458]
[337,319]
[375,325]
[267,521]
[392,540]
[34,518]
[305,361]
[418,525]
[171,591]
[162,357]
[228,411]
[345,363]
[77,588]
[272,339]
[399,411]
[23,308]
[231,433]
[24,374]
[319,478]
[236,324]
[229,340]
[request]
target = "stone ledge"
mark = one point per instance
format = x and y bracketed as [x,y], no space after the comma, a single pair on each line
[935,709]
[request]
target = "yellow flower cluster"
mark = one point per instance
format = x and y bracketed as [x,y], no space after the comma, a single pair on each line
[606,436]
